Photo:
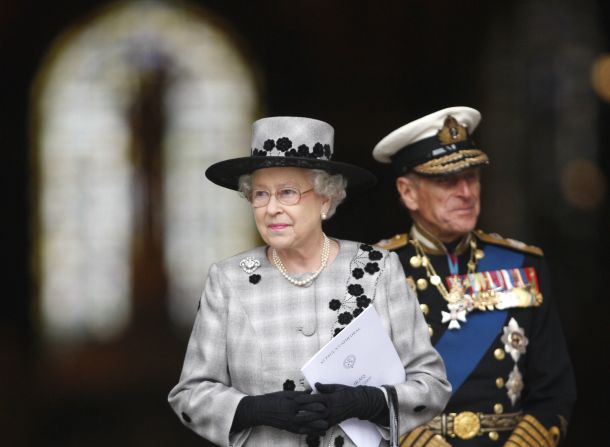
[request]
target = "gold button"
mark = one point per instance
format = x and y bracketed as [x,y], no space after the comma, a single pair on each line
[555,434]
[415,261]
[498,408]
[500,382]
[424,308]
[430,330]
[422,284]
[499,354]
[479,254]
[493,435]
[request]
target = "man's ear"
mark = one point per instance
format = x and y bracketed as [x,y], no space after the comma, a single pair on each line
[407,189]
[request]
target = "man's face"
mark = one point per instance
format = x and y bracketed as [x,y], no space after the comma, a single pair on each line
[446,206]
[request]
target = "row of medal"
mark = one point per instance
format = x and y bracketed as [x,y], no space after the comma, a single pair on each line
[497,289]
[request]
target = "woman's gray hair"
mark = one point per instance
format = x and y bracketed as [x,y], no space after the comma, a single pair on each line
[325,184]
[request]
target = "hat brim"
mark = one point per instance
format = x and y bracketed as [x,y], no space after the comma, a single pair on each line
[226,173]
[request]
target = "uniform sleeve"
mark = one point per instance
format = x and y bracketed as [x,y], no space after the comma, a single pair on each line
[426,389]
[550,389]
[203,398]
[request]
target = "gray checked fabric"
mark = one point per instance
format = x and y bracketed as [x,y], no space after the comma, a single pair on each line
[254,331]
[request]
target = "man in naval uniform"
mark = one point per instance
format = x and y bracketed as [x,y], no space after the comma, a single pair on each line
[486,299]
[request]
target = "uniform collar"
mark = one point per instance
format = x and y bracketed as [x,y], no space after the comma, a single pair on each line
[432,245]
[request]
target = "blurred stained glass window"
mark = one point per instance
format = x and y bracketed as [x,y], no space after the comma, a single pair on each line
[129,109]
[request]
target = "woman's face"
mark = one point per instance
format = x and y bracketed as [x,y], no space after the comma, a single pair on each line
[282,226]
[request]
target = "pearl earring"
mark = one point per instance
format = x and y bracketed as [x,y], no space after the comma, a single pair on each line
[323,216]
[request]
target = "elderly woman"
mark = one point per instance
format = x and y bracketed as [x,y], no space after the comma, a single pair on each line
[264,313]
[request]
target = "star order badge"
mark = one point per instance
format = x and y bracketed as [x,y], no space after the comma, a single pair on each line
[514,339]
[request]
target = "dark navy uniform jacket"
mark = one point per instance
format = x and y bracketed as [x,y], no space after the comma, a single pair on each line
[549,390]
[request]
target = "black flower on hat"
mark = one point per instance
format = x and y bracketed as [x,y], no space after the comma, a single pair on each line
[337,330]
[365,247]
[291,153]
[283,144]
[318,150]
[357,311]
[269,145]
[303,150]
[289,385]
[327,150]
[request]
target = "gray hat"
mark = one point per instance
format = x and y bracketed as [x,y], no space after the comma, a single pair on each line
[437,144]
[289,141]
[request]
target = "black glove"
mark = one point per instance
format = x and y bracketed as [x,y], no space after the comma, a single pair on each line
[344,402]
[280,410]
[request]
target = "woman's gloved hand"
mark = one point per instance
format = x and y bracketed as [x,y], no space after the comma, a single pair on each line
[344,402]
[281,410]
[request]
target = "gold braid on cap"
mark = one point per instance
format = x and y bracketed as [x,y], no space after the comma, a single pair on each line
[456,161]
[452,132]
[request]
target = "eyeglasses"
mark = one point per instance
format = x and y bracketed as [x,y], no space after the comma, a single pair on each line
[286,196]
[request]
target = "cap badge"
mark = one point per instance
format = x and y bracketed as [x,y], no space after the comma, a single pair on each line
[452,131]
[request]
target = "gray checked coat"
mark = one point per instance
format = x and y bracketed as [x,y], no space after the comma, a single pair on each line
[254,330]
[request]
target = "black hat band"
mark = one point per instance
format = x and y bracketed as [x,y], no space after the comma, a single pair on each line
[283,147]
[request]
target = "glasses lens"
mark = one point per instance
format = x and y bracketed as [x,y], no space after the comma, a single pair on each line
[288,196]
[259,197]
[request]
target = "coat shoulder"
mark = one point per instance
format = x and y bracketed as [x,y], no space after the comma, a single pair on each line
[496,239]
[395,242]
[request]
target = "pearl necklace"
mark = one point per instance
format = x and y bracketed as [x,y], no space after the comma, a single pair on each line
[302,282]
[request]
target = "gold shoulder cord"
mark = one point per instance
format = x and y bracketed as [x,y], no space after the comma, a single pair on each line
[531,433]
[420,259]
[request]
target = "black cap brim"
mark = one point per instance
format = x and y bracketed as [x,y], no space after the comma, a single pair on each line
[226,173]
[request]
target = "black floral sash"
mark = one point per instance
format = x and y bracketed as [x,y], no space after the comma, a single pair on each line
[365,269]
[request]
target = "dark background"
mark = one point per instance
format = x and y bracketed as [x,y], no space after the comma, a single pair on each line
[366,67]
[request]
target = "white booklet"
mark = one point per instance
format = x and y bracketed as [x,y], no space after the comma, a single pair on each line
[361,354]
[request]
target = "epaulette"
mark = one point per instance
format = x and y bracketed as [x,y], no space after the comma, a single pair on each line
[400,240]
[496,239]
